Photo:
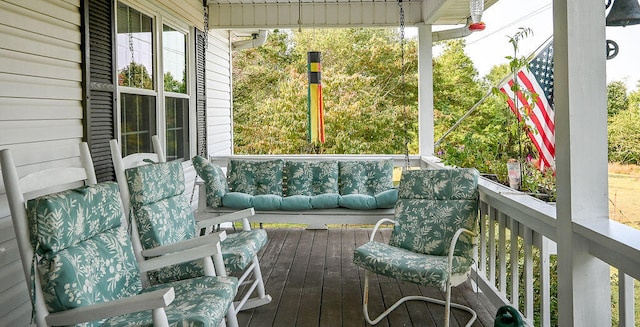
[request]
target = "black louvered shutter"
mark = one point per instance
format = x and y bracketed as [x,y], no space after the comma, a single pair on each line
[201,93]
[100,83]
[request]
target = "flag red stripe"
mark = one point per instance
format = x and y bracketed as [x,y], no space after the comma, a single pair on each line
[534,118]
[543,109]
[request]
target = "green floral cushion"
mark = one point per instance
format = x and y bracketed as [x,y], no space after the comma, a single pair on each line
[87,257]
[296,203]
[154,182]
[408,266]
[239,248]
[266,202]
[366,176]
[163,216]
[200,302]
[358,201]
[256,177]
[214,180]
[325,201]
[60,220]
[236,200]
[311,177]
[432,206]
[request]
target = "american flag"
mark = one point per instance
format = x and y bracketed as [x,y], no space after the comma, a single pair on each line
[537,111]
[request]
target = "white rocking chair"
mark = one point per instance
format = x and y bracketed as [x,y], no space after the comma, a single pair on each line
[68,227]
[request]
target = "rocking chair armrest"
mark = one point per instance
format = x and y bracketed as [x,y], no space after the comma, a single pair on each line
[209,239]
[207,251]
[454,240]
[145,301]
[204,221]
[380,222]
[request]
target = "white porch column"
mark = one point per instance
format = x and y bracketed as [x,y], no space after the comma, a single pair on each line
[425,91]
[581,152]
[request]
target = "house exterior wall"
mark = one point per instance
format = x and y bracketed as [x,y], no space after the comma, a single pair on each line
[41,107]
[219,95]
[40,114]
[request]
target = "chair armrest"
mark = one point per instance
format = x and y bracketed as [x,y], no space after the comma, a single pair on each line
[204,221]
[145,301]
[380,222]
[208,249]
[454,240]
[209,239]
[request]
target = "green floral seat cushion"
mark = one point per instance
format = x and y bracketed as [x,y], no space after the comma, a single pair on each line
[408,266]
[367,177]
[311,177]
[86,256]
[214,180]
[201,302]
[256,177]
[432,206]
[163,213]
[239,248]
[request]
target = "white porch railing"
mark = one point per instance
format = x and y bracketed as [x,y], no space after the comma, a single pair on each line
[528,284]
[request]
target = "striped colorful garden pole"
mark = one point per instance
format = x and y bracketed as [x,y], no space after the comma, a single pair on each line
[315,108]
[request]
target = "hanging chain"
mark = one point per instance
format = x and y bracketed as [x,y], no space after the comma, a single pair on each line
[206,26]
[403,86]
[131,49]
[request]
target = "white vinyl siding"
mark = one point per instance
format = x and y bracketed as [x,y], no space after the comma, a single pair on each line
[219,113]
[40,114]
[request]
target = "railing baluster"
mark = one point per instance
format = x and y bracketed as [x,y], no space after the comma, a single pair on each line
[482,261]
[492,245]
[626,301]
[502,252]
[528,273]
[514,261]
[545,281]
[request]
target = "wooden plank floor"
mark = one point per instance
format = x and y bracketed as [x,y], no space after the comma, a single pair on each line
[313,282]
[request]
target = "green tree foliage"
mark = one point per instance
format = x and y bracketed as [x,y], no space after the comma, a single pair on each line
[617,99]
[624,133]
[362,93]
[135,75]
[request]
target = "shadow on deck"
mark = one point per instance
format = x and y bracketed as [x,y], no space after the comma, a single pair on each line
[313,282]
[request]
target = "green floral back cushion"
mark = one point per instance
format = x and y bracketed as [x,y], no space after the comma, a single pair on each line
[432,206]
[368,177]
[163,214]
[311,177]
[154,182]
[214,180]
[87,256]
[60,220]
[256,177]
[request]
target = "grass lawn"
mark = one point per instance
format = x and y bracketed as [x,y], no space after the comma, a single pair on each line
[624,194]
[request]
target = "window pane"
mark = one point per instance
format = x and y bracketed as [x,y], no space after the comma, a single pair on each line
[174,60]
[177,133]
[138,122]
[135,48]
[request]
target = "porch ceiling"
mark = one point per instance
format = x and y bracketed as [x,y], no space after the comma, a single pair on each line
[265,14]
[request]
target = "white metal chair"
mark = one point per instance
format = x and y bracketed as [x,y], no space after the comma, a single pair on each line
[432,239]
[68,228]
[239,249]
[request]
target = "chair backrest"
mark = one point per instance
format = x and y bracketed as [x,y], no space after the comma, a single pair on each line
[20,190]
[85,255]
[432,205]
[159,212]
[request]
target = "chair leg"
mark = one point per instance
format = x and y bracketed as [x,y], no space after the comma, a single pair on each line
[257,284]
[447,304]
[232,319]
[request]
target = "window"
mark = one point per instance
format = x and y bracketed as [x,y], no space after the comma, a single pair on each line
[150,105]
